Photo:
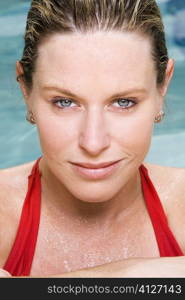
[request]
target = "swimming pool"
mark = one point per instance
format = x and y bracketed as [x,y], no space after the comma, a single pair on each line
[19,142]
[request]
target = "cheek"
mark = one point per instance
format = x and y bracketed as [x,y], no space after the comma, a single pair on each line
[56,135]
[134,133]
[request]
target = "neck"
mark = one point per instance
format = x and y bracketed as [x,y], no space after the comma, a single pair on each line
[61,202]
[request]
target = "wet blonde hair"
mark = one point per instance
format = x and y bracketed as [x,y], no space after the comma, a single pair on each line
[47,17]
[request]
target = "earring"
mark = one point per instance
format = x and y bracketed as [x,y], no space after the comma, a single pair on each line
[18,78]
[159,117]
[30,117]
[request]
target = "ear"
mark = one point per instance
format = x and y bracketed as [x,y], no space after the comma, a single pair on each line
[20,79]
[168,76]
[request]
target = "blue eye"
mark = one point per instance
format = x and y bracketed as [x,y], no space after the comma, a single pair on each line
[64,103]
[124,103]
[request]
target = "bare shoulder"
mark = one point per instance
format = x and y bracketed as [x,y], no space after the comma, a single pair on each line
[170,185]
[14,178]
[13,185]
[168,179]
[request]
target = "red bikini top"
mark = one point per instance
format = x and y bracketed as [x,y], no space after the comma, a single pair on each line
[21,255]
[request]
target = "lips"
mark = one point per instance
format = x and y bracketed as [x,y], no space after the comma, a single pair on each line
[95,171]
[95,166]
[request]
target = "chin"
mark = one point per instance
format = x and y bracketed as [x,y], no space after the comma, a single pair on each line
[94,200]
[94,195]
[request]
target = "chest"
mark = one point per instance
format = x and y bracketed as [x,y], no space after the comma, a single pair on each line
[61,250]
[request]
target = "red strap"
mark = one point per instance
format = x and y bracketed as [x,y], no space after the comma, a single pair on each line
[20,258]
[167,243]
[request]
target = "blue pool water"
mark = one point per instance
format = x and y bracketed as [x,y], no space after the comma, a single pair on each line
[19,142]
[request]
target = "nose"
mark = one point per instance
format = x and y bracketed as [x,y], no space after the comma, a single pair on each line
[94,137]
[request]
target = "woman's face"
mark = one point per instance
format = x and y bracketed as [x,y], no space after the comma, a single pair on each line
[94,99]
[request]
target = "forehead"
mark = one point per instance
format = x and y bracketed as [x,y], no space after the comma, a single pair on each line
[95,57]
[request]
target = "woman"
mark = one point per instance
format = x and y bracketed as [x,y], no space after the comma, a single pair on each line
[94,75]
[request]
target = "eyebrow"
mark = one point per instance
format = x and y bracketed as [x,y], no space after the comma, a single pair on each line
[116,95]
